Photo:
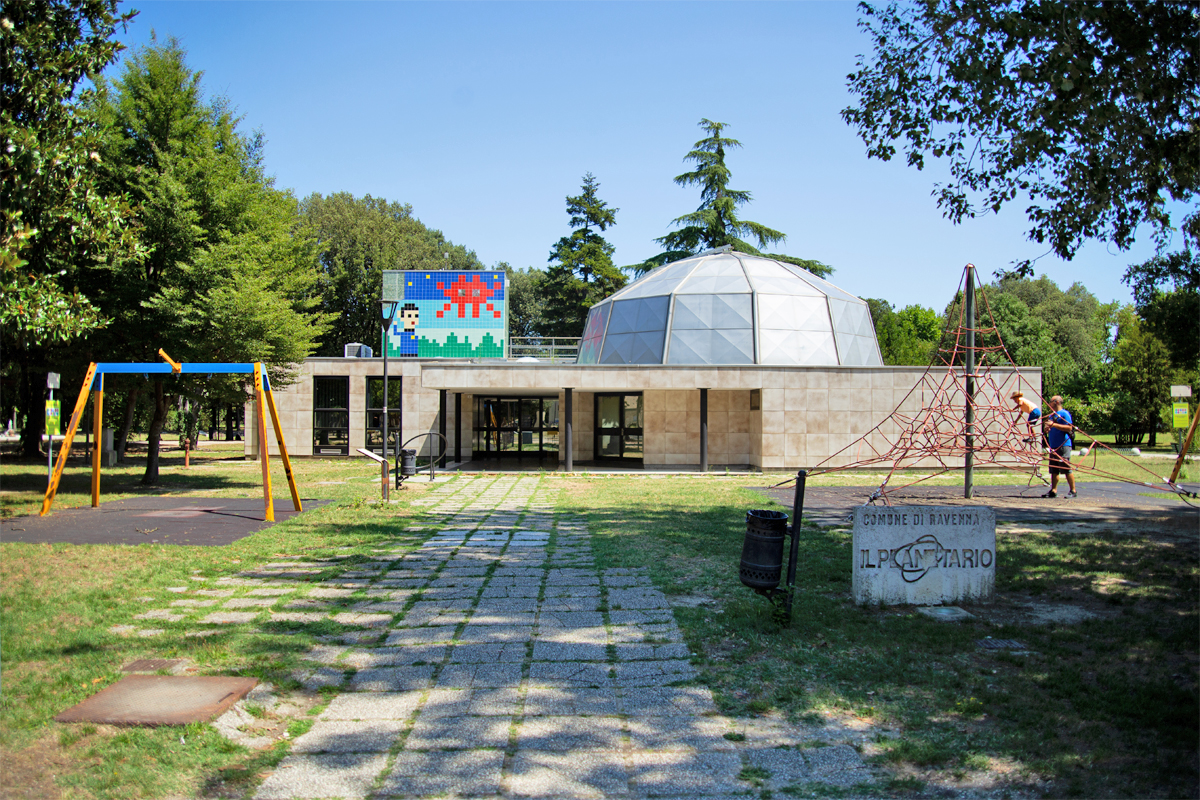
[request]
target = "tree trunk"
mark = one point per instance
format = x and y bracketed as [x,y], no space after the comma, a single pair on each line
[155,437]
[126,424]
[34,408]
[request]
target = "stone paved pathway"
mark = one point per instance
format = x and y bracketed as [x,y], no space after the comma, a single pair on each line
[498,660]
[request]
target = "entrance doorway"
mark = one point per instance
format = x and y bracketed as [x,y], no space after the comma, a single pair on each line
[516,427]
[618,427]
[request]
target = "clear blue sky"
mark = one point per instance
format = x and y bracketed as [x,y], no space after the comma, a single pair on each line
[485,116]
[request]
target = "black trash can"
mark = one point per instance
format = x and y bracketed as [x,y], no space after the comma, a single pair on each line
[762,551]
[408,463]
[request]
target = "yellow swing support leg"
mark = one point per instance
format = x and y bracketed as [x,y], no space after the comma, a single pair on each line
[80,405]
[1183,451]
[97,429]
[287,462]
[263,455]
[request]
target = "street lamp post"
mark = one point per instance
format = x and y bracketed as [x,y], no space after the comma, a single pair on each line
[389,308]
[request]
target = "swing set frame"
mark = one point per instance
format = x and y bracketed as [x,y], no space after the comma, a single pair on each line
[93,382]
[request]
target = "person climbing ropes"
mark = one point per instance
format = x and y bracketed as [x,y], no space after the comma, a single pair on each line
[1058,429]
[1026,407]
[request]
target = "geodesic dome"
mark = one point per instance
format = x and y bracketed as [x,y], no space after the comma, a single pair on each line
[730,308]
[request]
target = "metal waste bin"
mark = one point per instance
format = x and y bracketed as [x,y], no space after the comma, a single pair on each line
[762,551]
[408,463]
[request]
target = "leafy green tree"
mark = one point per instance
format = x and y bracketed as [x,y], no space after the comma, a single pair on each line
[906,337]
[53,218]
[582,271]
[526,300]
[1040,325]
[1142,370]
[1172,314]
[360,238]
[716,223]
[230,271]
[1086,108]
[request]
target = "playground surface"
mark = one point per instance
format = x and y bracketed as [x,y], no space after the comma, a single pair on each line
[196,521]
[1097,502]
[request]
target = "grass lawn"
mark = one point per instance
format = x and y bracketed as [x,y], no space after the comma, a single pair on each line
[1106,707]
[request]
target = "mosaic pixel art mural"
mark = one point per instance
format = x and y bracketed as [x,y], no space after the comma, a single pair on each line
[447,314]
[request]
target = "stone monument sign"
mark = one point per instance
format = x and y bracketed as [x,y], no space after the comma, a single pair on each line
[924,555]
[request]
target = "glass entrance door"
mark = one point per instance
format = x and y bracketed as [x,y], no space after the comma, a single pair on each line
[618,426]
[517,427]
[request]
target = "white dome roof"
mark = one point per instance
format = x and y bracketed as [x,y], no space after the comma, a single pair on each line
[730,308]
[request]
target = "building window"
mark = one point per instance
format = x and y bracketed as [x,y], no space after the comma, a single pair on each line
[331,416]
[375,414]
[618,427]
[517,427]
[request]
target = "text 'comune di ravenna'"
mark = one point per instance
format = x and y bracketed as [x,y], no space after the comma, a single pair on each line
[893,518]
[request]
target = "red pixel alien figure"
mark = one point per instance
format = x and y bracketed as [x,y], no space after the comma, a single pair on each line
[474,293]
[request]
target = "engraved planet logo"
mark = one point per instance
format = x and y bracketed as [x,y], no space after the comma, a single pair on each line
[915,558]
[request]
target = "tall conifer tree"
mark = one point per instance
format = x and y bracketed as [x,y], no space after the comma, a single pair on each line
[582,271]
[715,223]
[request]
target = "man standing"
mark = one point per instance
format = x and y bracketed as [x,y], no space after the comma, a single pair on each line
[1059,426]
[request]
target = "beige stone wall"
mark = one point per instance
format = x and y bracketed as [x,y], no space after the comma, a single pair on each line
[672,427]
[806,415]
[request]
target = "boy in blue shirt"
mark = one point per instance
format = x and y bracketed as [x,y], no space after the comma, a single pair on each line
[1059,427]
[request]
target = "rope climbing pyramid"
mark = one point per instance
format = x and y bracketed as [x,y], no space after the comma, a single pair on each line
[960,414]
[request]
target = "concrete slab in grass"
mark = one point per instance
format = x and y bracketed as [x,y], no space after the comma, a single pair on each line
[396,656]
[783,766]
[570,673]
[586,774]
[229,618]
[568,734]
[569,651]
[686,774]
[464,773]
[458,733]
[481,634]
[466,676]
[494,653]
[373,706]
[415,636]
[653,673]
[363,620]
[392,679]
[642,651]
[666,701]
[541,701]
[838,765]
[706,734]
[349,776]
[350,736]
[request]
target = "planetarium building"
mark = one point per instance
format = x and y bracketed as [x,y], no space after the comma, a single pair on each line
[719,360]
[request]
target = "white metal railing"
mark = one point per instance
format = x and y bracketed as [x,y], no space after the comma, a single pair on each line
[560,349]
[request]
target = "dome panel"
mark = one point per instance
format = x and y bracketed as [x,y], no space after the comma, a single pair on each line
[721,284]
[812,348]
[593,334]
[698,311]
[640,314]
[859,350]
[712,347]
[820,284]
[783,312]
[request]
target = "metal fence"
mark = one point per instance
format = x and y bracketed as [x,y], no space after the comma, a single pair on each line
[559,349]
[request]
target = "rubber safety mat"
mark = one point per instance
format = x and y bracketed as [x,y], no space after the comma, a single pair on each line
[197,521]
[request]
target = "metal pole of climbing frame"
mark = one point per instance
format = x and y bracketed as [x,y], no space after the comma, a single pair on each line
[969,376]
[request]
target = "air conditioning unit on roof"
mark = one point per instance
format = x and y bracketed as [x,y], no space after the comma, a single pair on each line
[358,350]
